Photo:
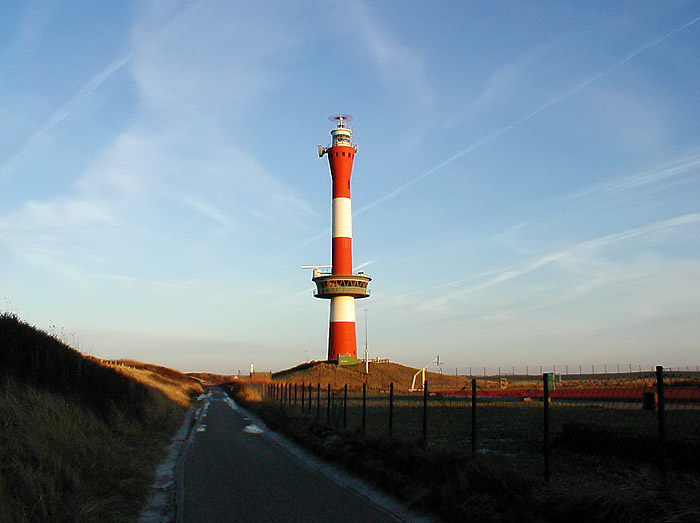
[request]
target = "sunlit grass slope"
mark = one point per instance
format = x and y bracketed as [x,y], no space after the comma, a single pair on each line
[79,441]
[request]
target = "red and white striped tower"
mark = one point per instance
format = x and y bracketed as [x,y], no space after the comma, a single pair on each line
[341,286]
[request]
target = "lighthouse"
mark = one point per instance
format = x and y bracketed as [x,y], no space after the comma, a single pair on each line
[341,286]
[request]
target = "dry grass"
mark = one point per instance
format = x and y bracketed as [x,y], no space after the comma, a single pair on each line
[176,386]
[61,462]
[380,377]
[79,441]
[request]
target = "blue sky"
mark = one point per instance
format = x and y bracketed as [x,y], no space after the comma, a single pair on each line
[527,188]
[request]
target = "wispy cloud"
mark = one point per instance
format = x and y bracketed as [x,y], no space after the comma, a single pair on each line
[56,235]
[503,83]
[65,110]
[88,88]
[166,167]
[497,133]
[566,257]
[589,245]
[683,167]
[401,67]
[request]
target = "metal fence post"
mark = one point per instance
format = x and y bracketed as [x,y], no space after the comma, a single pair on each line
[391,409]
[303,396]
[661,410]
[328,406]
[310,396]
[474,417]
[364,408]
[425,412]
[345,406]
[318,402]
[545,386]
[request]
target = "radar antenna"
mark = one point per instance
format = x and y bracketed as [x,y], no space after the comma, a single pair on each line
[340,118]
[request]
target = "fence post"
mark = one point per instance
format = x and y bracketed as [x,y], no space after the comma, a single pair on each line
[364,408]
[391,409]
[545,386]
[328,406]
[474,417]
[345,406]
[318,402]
[425,412]
[303,396]
[310,396]
[295,395]
[661,410]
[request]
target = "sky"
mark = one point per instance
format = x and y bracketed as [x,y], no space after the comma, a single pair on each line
[526,192]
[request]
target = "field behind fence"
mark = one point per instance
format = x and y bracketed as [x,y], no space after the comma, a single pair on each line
[551,426]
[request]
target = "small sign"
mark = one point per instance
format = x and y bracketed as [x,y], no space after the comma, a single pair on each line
[347,360]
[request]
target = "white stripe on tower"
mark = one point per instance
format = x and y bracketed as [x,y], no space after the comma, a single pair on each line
[342,309]
[342,217]
[342,235]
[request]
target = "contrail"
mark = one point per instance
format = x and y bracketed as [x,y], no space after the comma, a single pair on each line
[86,90]
[495,134]
[678,221]
[66,109]
[489,138]
[501,276]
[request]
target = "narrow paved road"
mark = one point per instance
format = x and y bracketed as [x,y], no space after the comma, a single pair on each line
[236,471]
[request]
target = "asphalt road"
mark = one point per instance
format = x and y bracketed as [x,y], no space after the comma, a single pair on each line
[237,470]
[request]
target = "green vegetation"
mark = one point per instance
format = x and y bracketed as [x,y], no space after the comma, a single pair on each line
[79,441]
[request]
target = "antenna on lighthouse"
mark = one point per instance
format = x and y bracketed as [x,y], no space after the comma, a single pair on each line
[340,118]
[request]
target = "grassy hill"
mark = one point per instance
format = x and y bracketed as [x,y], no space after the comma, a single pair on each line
[79,438]
[380,376]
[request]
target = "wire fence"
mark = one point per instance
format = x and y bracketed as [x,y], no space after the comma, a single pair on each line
[551,424]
